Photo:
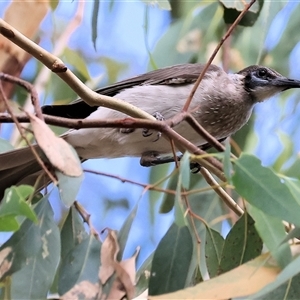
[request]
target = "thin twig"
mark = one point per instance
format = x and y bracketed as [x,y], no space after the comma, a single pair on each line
[122,179]
[60,44]
[223,195]
[227,34]
[86,218]
[209,162]
[29,88]
[34,152]
[204,133]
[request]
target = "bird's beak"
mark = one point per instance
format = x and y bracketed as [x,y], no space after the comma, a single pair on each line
[286,83]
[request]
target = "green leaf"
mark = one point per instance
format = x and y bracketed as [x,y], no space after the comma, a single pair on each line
[75,59]
[261,187]
[68,187]
[13,204]
[291,270]
[156,174]
[94,21]
[72,232]
[190,37]
[169,199]
[5,146]
[294,233]
[240,5]
[184,170]
[124,232]
[272,232]
[179,210]
[53,4]
[213,250]
[241,245]
[162,4]
[232,11]
[226,161]
[9,223]
[81,263]
[142,275]
[35,278]
[171,261]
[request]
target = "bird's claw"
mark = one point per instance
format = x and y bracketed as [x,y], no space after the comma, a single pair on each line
[195,167]
[147,132]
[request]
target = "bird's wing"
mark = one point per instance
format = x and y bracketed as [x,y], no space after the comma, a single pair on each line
[178,74]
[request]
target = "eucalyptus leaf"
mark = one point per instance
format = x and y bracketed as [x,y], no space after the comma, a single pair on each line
[241,244]
[261,187]
[81,263]
[171,261]
[72,233]
[213,250]
[272,232]
[34,280]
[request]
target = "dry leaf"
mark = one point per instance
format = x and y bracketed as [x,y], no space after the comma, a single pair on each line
[244,280]
[83,290]
[108,256]
[125,280]
[5,264]
[58,151]
[129,265]
[125,270]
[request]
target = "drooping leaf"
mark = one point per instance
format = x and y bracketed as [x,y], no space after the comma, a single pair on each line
[226,161]
[72,232]
[261,187]
[34,280]
[184,170]
[156,174]
[124,232]
[61,155]
[241,244]
[94,22]
[233,9]
[25,243]
[213,250]
[81,263]
[179,210]
[75,59]
[53,4]
[162,4]
[13,205]
[272,232]
[171,261]
[168,199]
[142,275]
[68,187]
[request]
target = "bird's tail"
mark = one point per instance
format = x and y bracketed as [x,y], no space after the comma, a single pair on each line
[19,167]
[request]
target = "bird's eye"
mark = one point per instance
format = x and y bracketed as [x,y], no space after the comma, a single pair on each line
[262,73]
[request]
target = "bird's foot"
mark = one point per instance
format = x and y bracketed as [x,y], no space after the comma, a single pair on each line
[195,167]
[153,158]
[147,132]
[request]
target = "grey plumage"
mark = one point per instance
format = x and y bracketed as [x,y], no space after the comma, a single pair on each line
[222,104]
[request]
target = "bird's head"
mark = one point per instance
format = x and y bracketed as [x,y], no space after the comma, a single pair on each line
[262,83]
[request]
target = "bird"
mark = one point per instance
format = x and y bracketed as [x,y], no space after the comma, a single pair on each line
[222,104]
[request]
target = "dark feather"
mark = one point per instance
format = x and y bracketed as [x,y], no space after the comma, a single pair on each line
[179,74]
